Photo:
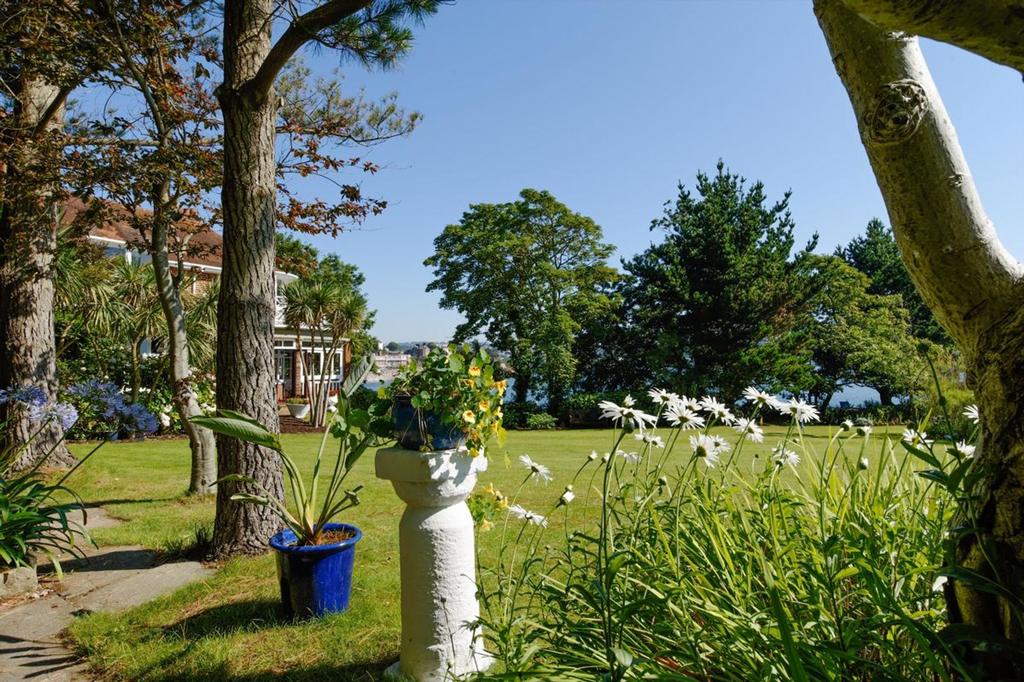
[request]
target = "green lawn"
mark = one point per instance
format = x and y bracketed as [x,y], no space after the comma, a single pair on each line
[228,626]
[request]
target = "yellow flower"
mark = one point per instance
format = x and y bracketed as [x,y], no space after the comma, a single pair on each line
[503,502]
[473,452]
[489,489]
[484,405]
[498,414]
[469,417]
[485,526]
[494,427]
[474,371]
[501,385]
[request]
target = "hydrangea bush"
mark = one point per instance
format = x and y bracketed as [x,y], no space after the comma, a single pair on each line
[673,563]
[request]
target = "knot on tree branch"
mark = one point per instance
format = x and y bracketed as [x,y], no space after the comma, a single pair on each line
[895,112]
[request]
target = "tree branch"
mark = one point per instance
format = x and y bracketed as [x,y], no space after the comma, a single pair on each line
[993,29]
[301,30]
[948,243]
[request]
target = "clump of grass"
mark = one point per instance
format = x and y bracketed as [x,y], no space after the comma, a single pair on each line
[193,546]
[810,565]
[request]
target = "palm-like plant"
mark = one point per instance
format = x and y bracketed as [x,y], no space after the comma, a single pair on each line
[327,312]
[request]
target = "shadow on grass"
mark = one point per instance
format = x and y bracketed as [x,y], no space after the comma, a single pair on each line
[225,619]
[113,502]
[248,616]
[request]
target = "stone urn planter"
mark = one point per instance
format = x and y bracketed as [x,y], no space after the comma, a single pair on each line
[298,410]
[438,563]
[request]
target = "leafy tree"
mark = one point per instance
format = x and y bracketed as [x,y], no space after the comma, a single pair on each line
[393,346]
[528,275]
[707,306]
[877,255]
[294,255]
[848,335]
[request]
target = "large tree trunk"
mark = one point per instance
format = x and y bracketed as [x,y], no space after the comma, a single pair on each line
[201,442]
[971,283]
[245,327]
[28,242]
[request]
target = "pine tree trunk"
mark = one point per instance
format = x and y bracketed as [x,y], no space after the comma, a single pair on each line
[201,442]
[972,284]
[28,242]
[245,325]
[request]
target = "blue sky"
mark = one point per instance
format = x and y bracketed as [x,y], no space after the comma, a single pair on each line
[609,104]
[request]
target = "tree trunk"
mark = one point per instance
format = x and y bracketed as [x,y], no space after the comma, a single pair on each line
[245,325]
[884,397]
[200,441]
[971,283]
[28,242]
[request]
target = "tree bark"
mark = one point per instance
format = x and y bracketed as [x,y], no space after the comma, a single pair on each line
[245,326]
[202,480]
[28,242]
[971,283]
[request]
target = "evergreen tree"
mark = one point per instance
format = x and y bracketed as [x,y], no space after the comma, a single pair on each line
[708,305]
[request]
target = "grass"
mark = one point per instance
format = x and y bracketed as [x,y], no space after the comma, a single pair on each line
[228,627]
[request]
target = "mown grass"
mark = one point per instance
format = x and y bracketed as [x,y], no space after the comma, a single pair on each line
[228,627]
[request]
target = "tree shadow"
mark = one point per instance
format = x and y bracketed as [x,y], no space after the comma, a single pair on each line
[249,615]
[113,560]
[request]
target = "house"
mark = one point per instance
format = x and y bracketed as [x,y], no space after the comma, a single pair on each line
[203,263]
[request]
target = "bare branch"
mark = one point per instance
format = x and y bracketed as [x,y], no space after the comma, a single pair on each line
[993,29]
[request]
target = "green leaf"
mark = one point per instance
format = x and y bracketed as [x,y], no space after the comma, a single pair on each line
[357,373]
[240,426]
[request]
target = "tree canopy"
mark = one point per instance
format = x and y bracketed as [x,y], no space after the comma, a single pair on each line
[707,305]
[527,275]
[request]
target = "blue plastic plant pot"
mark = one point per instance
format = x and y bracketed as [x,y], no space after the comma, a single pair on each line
[315,579]
[410,436]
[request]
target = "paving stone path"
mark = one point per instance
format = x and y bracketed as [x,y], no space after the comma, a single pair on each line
[108,579]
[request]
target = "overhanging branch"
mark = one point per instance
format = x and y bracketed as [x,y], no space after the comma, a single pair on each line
[302,30]
[993,29]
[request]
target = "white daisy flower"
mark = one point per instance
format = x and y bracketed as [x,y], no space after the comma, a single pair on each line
[940,583]
[912,437]
[847,425]
[527,515]
[592,456]
[683,417]
[971,412]
[783,457]
[799,410]
[704,448]
[628,456]
[750,429]
[863,463]
[863,430]
[717,410]
[626,414]
[567,496]
[662,397]
[758,397]
[720,444]
[691,404]
[964,449]
[653,441]
[541,472]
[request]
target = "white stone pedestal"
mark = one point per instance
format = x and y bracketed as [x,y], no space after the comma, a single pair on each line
[438,563]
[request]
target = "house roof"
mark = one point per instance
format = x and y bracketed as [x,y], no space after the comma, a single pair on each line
[202,247]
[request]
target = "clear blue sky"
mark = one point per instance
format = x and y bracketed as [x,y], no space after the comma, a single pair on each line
[608,104]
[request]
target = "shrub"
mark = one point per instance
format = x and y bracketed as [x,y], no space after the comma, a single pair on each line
[540,421]
[516,414]
[685,568]
[35,513]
